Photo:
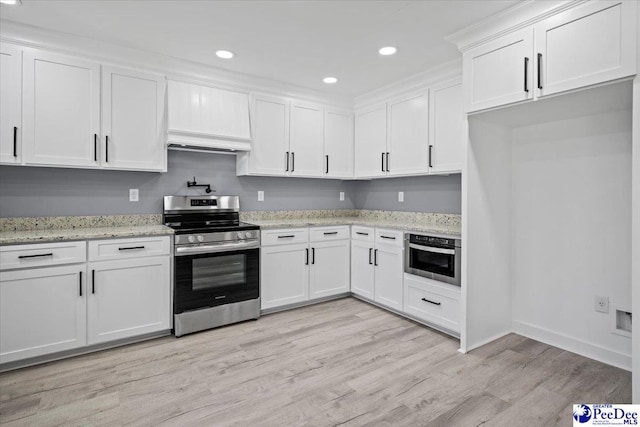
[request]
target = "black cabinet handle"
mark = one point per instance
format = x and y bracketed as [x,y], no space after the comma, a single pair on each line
[431,302]
[15,141]
[539,71]
[131,248]
[329,233]
[93,281]
[106,150]
[526,74]
[361,233]
[430,156]
[313,255]
[307,256]
[293,161]
[370,252]
[327,169]
[388,157]
[95,147]
[375,257]
[289,236]
[287,158]
[81,283]
[382,167]
[34,256]
[388,237]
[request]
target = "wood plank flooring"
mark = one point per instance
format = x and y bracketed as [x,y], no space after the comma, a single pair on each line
[340,363]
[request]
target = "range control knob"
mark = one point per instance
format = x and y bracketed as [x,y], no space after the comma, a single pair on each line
[191,239]
[239,234]
[247,234]
[200,238]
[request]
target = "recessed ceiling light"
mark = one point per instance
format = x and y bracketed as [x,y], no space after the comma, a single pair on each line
[11,2]
[387,50]
[330,80]
[225,54]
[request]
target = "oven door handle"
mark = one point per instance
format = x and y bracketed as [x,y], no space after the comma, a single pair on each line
[432,249]
[216,248]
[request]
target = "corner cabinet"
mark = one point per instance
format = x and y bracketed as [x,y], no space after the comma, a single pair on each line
[10,103]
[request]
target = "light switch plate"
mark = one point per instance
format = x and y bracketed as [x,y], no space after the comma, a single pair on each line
[134,195]
[342,196]
[261,196]
[401,196]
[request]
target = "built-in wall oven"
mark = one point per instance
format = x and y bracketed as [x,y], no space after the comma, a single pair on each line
[436,258]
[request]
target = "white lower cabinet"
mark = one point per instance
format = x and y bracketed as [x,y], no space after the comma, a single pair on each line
[434,302]
[128,298]
[284,275]
[362,268]
[329,270]
[388,282]
[42,311]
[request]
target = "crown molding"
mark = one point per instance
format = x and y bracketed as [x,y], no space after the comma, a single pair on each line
[516,17]
[174,68]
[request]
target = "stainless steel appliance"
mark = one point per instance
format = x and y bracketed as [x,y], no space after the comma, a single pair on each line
[217,262]
[436,258]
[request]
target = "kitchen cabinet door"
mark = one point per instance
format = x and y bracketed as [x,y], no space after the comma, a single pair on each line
[329,268]
[388,276]
[447,129]
[338,143]
[284,275]
[61,110]
[127,298]
[499,72]
[371,142]
[307,137]
[132,120]
[590,44]
[362,269]
[409,135]
[269,153]
[10,103]
[42,311]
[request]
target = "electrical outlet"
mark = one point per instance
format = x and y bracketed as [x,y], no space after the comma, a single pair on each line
[401,196]
[261,196]
[602,304]
[134,195]
[342,196]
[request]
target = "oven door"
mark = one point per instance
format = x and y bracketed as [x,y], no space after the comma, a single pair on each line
[442,264]
[210,279]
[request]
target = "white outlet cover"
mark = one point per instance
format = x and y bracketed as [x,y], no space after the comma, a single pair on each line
[261,196]
[401,196]
[134,195]
[601,304]
[342,196]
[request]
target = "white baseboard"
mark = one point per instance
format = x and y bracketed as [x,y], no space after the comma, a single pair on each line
[483,342]
[574,345]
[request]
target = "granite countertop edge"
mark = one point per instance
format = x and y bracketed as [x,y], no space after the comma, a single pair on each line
[445,230]
[69,234]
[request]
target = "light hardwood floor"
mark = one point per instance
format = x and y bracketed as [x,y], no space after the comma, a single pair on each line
[343,363]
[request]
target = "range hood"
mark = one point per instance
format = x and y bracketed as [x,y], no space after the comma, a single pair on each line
[206,118]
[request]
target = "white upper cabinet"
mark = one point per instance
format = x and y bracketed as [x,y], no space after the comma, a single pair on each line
[447,129]
[10,103]
[338,143]
[408,147]
[61,110]
[590,44]
[208,117]
[132,120]
[269,153]
[371,142]
[306,145]
[499,72]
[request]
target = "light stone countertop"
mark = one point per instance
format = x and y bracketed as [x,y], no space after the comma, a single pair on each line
[89,233]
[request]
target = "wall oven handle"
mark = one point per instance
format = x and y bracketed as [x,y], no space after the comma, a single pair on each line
[216,248]
[432,249]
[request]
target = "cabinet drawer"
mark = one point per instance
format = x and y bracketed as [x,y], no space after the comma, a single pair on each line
[100,250]
[389,237]
[321,234]
[432,303]
[284,236]
[364,234]
[40,255]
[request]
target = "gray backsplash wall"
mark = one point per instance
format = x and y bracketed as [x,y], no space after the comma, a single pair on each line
[32,191]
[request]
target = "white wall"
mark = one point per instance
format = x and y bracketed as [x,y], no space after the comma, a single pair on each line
[571,217]
[635,227]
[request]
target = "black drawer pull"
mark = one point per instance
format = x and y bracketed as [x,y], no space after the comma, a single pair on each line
[131,248]
[370,252]
[388,162]
[95,147]
[539,71]
[93,281]
[293,161]
[287,157]
[35,256]
[106,150]
[388,237]
[375,257]
[328,233]
[431,302]
[80,283]
[15,141]
[313,255]
[526,74]
[307,256]
[361,233]
[289,236]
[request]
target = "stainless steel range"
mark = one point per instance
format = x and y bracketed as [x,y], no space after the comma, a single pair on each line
[217,262]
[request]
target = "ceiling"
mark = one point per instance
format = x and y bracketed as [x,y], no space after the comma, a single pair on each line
[295,42]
